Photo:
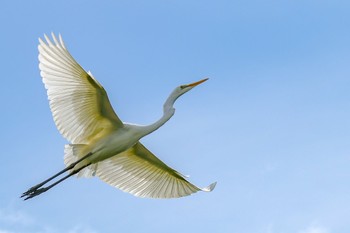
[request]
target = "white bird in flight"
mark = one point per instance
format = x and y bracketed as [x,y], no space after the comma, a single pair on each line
[101,144]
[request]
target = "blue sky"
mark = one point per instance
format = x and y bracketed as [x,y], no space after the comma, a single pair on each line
[271,125]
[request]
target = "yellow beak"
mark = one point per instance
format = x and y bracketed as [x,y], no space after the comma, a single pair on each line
[197,83]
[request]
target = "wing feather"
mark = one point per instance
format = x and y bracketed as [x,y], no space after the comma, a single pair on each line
[139,172]
[79,104]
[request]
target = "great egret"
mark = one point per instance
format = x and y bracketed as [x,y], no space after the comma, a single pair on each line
[101,144]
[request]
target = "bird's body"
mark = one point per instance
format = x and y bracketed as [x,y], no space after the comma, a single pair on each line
[111,143]
[101,144]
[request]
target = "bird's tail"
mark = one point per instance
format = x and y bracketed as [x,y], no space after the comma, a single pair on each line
[73,152]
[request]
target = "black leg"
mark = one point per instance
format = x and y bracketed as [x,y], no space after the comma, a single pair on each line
[36,187]
[44,189]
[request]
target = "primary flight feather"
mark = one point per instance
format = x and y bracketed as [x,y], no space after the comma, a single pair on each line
[101,144]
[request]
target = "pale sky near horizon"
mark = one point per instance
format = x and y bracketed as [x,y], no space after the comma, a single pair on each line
[271,125]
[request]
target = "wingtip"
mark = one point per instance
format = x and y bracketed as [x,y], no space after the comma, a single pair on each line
[46,37]
[61,40]
[209,188]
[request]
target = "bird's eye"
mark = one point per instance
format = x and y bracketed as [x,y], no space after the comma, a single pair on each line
[182,86]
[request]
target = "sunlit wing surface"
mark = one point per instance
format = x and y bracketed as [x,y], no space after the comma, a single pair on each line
[84,116]
[79,104]
[139,172]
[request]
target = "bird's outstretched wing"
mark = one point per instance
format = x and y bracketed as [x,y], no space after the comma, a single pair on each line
[79,104]
[141,173]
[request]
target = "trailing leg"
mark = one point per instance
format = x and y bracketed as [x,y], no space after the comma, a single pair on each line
[71,166]
[44,189]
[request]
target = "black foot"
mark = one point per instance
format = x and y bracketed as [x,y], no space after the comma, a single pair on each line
[33,192]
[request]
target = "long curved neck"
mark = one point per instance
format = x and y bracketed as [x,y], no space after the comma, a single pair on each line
[168,112]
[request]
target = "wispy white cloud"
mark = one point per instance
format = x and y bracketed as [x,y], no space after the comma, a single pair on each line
[315,229]
[5,231]
[81,229]
[269,228]
[11,216]
[13,221]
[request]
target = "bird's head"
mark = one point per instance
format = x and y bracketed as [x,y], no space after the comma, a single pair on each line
[180,90]
[186,87]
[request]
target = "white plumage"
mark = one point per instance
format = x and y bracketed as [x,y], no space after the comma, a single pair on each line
[101,144]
